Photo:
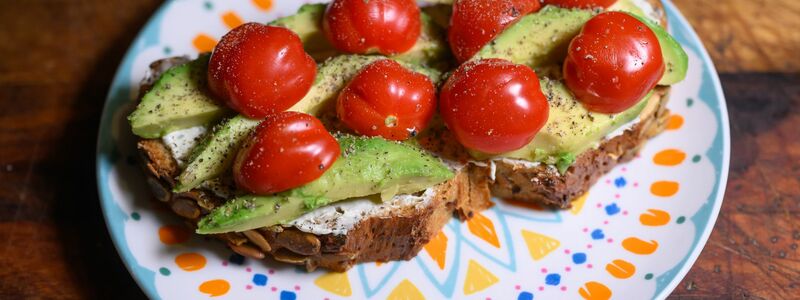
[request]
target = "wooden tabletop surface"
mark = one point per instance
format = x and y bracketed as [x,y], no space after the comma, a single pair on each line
[58,58]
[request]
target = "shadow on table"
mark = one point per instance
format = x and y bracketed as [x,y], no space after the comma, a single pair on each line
[87,245]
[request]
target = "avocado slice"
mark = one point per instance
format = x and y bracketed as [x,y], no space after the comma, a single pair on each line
[538,39]
[179,99]
[214,156]
[430,50]
[570,128]
[675,58]
[367,166]
[336,72]
[307,24]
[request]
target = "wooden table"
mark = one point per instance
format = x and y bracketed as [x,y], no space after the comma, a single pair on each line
[57,59]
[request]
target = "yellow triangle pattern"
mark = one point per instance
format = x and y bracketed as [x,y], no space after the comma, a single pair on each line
[406,291]
[478,278]
[539,245]
[577,205]
[336,283]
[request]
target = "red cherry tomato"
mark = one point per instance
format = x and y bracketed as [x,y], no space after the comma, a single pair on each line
[581,3]
[388,100]
[287,150]
[613,63]
[475,23]
[260,70]
[493,105]
[359,26]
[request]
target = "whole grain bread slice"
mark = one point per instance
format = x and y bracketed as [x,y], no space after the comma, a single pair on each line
[398,233]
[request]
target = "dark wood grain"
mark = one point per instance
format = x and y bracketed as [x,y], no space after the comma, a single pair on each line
[58,58]
[753,251]
[748,35]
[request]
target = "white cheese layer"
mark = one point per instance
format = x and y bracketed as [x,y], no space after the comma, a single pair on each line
[341,217]
[181,142]
[520,163]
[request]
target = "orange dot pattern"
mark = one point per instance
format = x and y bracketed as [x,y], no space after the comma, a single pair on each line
[204,43]
[215,287]
[173,234]
[232,20]
[664,188]
[669,157]
[654,217]
[621,269]
[190,262]
[265,5]
[675,122]
[594,290]
[638,246]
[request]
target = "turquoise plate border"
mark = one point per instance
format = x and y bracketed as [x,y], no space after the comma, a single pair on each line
[704,219]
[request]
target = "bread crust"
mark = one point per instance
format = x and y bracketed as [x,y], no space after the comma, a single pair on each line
[544,185]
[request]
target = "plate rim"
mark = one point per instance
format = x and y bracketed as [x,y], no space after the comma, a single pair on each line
[722,183]
[138,272]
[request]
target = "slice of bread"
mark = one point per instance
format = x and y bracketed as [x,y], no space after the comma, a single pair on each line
[337,236]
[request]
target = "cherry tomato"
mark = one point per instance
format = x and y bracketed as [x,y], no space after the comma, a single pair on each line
[260,70]
[388,100]
[384,26]
[475,23]
[581,3]
[613,63]
[286,150]
[493,105]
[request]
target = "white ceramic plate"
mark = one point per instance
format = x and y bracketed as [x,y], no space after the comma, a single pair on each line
[634,237]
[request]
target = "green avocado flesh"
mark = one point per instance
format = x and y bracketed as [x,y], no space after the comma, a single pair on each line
[367,166]
[334,74]
[675,58]
[430,49]
[570,128]
[178,100]
[538,39]
[215,155]
[307,24]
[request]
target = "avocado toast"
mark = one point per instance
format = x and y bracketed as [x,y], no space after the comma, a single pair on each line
[333,237]
[189,145]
